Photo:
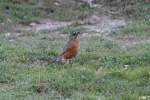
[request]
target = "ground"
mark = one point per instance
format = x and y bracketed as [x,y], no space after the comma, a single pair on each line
[113,64]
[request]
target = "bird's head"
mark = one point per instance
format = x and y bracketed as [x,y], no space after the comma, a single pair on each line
[74,35]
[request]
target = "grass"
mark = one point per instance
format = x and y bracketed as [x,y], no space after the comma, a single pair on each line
[99,72]
[28,11]
[103,70]
[136,28]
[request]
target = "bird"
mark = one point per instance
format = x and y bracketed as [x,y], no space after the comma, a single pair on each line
[71,49]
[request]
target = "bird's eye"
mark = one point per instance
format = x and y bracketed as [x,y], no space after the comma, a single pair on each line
[74,34]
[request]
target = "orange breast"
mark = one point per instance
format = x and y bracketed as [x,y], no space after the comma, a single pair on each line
[72,49]
[72,52]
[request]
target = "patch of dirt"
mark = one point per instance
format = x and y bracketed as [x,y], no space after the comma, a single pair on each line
[104,24]
[101,24]
[48,24]
[5,87]
[42,25]
[125,43]
[95,25]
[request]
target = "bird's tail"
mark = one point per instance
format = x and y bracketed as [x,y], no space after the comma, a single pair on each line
[57,59]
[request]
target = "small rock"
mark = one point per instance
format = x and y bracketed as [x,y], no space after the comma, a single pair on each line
[126,66]
[9,20]
[32,24]
[11,40]
[7,34]
[3,24]
[56,3]
[143,97]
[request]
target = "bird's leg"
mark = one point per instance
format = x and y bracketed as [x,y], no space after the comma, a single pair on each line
[71,62]
[67,61]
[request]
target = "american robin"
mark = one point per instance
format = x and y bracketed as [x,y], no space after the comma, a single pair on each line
[71,49]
